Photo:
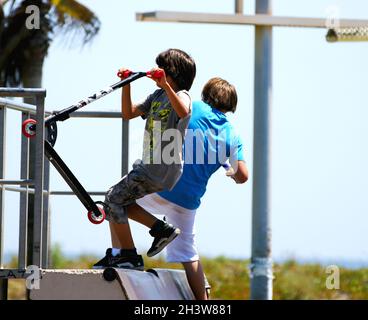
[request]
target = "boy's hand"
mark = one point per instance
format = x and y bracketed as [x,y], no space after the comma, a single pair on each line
[162,81]
[123,73]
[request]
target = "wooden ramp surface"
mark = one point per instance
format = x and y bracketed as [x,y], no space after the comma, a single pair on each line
[87,284]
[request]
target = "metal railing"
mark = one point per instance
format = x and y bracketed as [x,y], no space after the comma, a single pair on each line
[38,186]
[40,215]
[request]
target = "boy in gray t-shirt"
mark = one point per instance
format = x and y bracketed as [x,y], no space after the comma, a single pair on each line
[167,112]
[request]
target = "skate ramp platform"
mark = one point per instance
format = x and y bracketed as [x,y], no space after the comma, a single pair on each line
[119,284]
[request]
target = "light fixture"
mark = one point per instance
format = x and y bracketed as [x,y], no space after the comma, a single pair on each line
[347,34]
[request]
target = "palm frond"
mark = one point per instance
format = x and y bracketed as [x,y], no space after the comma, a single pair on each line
[64,19]
[18,43]
[3,2]
[75,20]
[2,17]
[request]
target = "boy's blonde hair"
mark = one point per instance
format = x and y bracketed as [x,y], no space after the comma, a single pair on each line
[220,94]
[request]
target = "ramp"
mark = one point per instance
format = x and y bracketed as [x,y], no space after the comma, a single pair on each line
[88,284]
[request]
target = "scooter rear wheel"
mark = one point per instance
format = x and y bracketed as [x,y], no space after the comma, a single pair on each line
[97,219]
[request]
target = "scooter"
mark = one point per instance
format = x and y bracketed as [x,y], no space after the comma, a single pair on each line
[96,210]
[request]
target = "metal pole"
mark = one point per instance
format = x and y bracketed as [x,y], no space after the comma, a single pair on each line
[2,174]
[125,148]
[21,92]
[261,261]
[23,182]
[38,178]
[18,106]
[3,283]
[4,289]
[239,6]
[23,200]
[46,217]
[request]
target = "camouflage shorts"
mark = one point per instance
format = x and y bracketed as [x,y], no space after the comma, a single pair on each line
[133,186]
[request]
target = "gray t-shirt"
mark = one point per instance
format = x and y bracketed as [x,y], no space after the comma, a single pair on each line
[162,159]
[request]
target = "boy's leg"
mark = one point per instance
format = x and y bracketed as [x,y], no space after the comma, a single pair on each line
[196,280]
[137,213]
[123,253]
[117,200]
[121,236]
[162,232]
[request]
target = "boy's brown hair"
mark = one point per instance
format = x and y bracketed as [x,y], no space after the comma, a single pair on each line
[179,66]
[220,94]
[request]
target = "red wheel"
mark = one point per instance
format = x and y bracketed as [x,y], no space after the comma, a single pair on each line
[29,128]
[94,219]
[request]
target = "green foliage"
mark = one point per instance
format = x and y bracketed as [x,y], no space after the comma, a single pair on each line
[60,261]
[229,278]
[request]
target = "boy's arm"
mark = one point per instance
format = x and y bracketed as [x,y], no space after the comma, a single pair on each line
[178,104]
[241,175]
[128,109]
[237,162]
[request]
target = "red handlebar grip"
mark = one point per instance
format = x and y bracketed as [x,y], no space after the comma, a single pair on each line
[124,74]
[156,74]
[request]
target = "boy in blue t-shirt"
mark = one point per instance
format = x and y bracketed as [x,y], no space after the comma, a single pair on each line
[210,141]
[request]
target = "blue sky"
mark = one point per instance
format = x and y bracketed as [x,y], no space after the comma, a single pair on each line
[319,178]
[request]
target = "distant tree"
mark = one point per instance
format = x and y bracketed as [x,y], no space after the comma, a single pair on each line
[23,50]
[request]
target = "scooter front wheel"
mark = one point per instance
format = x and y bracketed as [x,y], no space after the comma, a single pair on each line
[97,219]
[109,274]
[29,128]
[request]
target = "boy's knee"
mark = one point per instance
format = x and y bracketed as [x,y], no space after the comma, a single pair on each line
[117,214]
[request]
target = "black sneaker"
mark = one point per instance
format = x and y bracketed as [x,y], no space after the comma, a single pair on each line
[133,261]
[129,262]
[163,233]
[105,262]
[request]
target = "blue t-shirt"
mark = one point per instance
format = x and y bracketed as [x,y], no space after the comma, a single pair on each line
[210,141]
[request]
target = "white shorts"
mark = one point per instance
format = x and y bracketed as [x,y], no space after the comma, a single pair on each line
[183,248]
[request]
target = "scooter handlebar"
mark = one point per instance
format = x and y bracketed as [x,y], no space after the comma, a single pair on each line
[125,74]
[156,74]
